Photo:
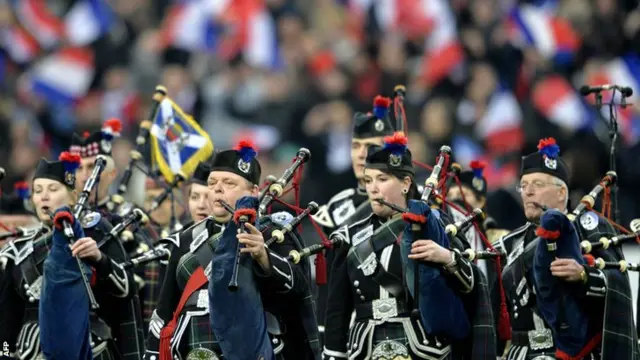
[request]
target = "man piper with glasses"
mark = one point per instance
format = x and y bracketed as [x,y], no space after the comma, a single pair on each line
[583,293]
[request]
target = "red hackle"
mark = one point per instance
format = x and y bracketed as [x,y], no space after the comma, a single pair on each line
[543,143]
[86,134]
[477,164]
[547,234]
[381,101]
[414,218]
[20,185]
[61,218]
[398,138]
[70,157]
[114,124]
[250,213]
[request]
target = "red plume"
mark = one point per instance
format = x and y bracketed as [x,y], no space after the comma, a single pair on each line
[245,143]
[114,124]
[20,185]
[86,134]
[398,138]
[381,101]
[477,164]
[543,143]
[70,157]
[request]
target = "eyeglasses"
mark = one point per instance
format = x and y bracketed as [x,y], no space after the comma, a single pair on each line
[536,185]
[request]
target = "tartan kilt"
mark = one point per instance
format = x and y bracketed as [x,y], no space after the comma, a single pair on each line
[194,331]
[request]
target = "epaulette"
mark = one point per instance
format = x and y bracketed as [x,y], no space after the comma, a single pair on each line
[90,220]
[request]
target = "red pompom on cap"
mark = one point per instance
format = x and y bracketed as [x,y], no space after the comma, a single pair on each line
[114,124]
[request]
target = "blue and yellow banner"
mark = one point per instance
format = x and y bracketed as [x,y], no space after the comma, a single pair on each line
[178,143]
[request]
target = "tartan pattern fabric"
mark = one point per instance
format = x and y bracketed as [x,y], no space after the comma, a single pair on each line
[130,338]
[483,334]
[88,150]
[198,334]
[619,338]
[152,275]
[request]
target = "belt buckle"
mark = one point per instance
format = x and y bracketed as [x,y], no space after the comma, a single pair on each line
[540,339]
[384,308]
[202,354]
[390,350]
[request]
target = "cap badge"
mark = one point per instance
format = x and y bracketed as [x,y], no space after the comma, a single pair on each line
[378,125]
[105,145]
[477,183]
[550,163]
[70,179]
[244,166]
[395,160]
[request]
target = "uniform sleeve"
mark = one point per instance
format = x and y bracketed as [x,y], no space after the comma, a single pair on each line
[11,308]
[282,276]
[168,300]
[110,274]
[339,306]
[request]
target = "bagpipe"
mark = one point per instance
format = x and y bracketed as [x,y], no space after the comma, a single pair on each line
[20,232]
[243,216]
[64,221]
[276,188]
[588,201]
[236,305]
[137,154]
[120,230]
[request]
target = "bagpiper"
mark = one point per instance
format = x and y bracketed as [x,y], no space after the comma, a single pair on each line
[367,279]
[180,326]
[598,300]
[113,331]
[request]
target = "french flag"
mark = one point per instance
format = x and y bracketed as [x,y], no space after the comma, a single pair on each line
[501,125]
[191,25]
[226,28]
[261,47]
[556,99]
[624,71]
[19,44]
[552,36]
[87,21]
[498,174]
[444,54]
[63,77]
[45,26]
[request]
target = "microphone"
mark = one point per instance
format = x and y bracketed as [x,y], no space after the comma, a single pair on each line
[585,90]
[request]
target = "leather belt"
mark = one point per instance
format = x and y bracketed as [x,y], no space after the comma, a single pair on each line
[381,309]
